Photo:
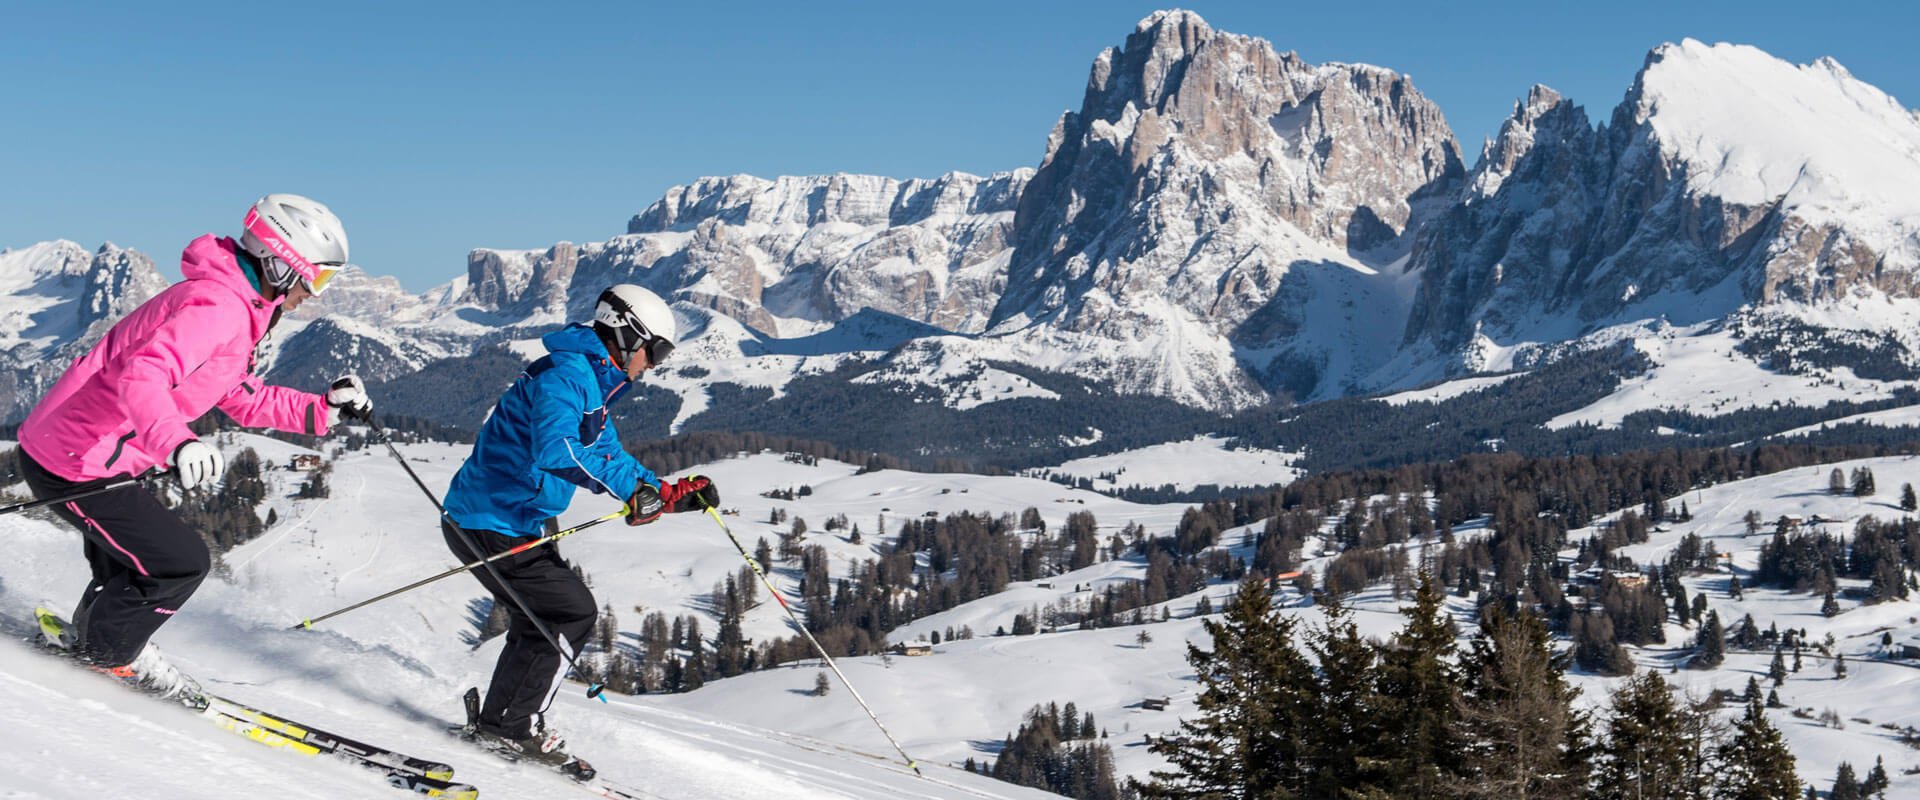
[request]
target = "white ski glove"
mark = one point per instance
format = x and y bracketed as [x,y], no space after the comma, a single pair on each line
[347,397]
[198,463]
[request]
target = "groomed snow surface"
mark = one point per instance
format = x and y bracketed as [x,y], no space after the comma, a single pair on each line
[392,674]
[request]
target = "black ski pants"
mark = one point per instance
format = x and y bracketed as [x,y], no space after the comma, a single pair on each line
[530,670]
[146,562]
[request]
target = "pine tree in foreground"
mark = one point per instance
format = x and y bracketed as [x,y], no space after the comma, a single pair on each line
[1419,695]
[1256,698]
[1348,751]
[1519,735]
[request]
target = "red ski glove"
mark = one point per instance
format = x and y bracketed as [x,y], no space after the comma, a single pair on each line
[692,493]
[695,493]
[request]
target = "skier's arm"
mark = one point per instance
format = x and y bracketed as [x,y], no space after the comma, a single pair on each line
[172,351]
[559,408]
[254,404]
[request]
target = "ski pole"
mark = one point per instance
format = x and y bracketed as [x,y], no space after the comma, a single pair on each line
[309,623]
[715,514]
[594,690]
[103,488]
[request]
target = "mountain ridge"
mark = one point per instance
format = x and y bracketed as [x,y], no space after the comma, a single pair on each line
[1223,225]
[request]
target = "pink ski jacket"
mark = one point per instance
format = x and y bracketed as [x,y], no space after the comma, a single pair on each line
[122,408]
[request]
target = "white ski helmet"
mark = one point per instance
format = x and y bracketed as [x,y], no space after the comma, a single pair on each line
[629,319]
[295,238]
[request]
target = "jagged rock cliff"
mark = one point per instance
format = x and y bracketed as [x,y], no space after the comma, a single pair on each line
[1725,178]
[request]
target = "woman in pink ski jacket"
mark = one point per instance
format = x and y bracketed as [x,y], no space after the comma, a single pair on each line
[122,409]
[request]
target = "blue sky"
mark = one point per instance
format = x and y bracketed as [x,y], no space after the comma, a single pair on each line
[433,129]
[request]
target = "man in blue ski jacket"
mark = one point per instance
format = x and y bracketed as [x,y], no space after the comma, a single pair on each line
[549,434]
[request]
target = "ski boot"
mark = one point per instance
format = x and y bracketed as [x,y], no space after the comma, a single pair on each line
[544,746]
[152,673]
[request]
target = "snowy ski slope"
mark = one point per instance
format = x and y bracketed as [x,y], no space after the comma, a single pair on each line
[391,674]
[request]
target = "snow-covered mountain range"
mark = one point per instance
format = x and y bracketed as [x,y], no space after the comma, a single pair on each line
[1224,225]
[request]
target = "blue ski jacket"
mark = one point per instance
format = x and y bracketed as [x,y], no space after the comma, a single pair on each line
[548,434]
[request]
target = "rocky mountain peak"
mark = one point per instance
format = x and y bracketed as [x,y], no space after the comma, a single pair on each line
[1201,167]
[356,294]
[522,282]
[117,281]
[1147,71]
[1543,115]
[1726,178]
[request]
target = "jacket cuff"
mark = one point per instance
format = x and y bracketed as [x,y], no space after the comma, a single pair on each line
[318,422]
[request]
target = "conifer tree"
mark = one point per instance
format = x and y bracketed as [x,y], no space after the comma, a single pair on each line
[1845,786]
[1710,647]
[1863,482]
[1349,754]
[1877,781]
[1777,671]
[1755,763]
[1517,729]
[1909,502]
[1646,754]
[1256,699]
[1419,694]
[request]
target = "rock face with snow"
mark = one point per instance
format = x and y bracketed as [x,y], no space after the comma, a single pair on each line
[56,300]
[1208,193]
[1726,178]
[374,298]
[786,255]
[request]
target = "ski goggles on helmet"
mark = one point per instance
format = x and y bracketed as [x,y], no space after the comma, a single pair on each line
[634,338]
[286,264]
[325,276]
